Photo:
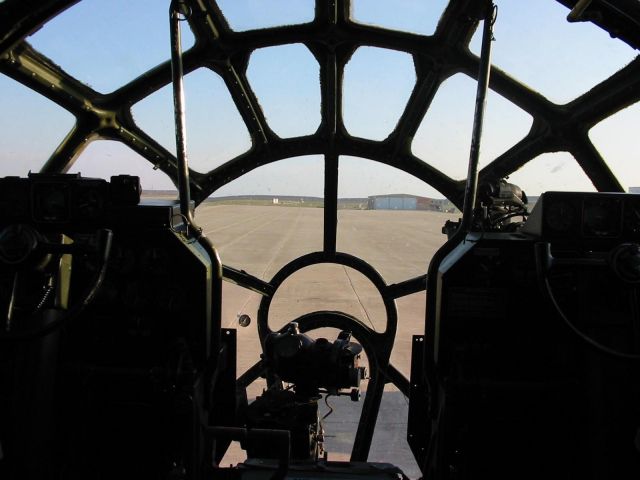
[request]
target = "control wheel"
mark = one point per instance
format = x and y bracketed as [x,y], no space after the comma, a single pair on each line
[35,279]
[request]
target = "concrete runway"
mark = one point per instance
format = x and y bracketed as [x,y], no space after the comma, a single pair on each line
[398,244]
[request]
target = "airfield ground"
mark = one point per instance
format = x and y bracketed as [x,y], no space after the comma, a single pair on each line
[399,244]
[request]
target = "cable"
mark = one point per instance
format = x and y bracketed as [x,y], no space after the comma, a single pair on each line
[47,293]
[326,402]
[590,341]
[507,216]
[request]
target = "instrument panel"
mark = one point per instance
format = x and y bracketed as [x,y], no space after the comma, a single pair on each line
[58,199]
[595,220]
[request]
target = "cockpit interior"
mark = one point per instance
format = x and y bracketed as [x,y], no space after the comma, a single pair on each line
[338,239]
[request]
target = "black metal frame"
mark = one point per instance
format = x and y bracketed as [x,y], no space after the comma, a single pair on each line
[377,345]
[332,37]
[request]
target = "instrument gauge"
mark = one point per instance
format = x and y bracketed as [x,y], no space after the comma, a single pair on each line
[560,217]
[601,217]
[51,202]
[631,218]
[89,203]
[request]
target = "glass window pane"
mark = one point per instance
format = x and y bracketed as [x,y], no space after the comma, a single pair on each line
[237,301]
[31,127]
[106,44]
[254,14]
[557,171]
[444,137]
[377,85]
[104,158]
[411,318]
[405,15]
[397,224]
[285,80]
[389,443]
[617,140]
[215,130]
[329,287]
[538,46]
[268,217]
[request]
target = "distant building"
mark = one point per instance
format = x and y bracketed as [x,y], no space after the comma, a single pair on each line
[403,201]
[393,202]
[634,189]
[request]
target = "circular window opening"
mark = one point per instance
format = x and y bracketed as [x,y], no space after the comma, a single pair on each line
[330,287]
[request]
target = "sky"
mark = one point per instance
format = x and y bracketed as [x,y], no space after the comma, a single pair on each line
[534,44]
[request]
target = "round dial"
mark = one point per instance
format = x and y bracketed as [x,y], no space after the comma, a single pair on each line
[601,217]
[560,216]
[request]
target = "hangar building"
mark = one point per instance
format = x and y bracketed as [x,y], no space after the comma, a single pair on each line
[403,201]
[400,201]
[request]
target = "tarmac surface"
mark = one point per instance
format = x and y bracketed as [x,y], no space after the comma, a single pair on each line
[398,244]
